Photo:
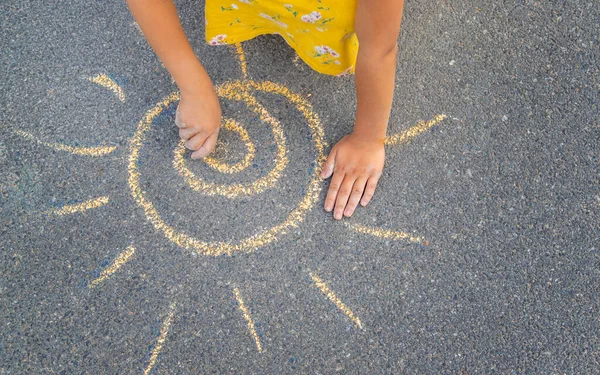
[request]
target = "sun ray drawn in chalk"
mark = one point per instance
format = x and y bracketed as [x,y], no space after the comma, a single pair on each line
[105,81]
[164,331]
[336,301]
[420,128]
[249,321]
[76,150]
[79,207]
[385,233]
[242,58]
[95,151]
[119,261]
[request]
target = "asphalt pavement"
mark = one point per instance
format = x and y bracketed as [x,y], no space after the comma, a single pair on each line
[479,253]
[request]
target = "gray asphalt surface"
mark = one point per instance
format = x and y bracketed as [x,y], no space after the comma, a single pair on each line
[506,191]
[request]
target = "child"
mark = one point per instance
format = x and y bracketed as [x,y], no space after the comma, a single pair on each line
[311,27]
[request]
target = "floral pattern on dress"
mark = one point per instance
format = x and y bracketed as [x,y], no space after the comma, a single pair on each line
[231,7]
[312,17]
[326,50]
[218,40]
[346,73]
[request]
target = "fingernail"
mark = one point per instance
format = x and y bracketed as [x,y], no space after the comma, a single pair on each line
[328,208]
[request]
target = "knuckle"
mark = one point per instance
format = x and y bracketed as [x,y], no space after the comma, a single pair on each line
[344,191]
[340,168]
[192,144]
[351,171]
[357,190]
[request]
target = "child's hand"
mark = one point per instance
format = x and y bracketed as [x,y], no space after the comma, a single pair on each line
[198,118]
[355,163]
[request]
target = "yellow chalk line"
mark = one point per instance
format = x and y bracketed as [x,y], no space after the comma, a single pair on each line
[161,339]
[385,233]
[259,239]
[336,301]
[407,135]
[77,150]
[105,81]
[79,207]
[222,167]
[248,318]
[242,56]
[240,92]
[119,261]
[295,60]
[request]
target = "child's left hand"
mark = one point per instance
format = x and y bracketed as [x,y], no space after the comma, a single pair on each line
[355,163]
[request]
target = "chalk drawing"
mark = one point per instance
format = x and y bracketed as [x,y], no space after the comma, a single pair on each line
[79,207]
[235,90]
[105,81]
[246,313]
[407,135]
[385,233]
[241,91]
[242,57]
[222,167]
[164,331]
[336,301]
[123,258]
[76,150]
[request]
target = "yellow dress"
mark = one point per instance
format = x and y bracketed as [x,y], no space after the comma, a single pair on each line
[321,31]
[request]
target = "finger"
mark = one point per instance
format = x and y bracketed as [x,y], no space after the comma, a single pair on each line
[180,124]
[342,196]
[207,146]
[329,164]
[186,133]
[369,190]
[334,186]
[195,142]
[357,191]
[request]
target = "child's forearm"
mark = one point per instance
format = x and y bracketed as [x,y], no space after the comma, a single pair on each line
[160,24]
[377,27]
[374,77]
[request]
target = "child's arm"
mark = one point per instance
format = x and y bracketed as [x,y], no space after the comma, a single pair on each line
[199,113]
[377,26]
[357,160]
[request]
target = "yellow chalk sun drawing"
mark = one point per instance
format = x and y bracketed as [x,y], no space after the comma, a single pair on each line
[240,91]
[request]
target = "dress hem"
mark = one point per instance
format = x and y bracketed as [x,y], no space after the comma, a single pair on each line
[264,31]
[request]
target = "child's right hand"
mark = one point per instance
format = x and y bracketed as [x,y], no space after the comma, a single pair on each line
[198,118]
